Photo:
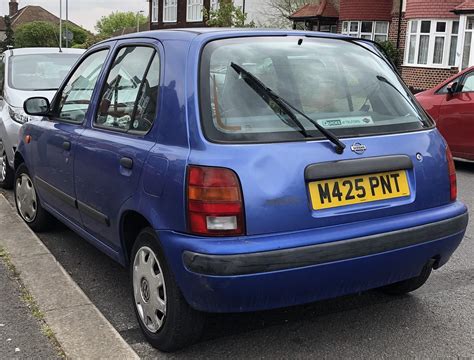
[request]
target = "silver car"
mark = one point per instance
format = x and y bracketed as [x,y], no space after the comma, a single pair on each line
[25,73]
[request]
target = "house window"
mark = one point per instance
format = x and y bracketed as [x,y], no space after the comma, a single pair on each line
[432,43]
[214,5]
[154,11]
[194,12]
[170,11]
[370,30]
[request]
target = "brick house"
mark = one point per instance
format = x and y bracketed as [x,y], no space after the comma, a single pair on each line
[434,37]
[169,14]
[27,14]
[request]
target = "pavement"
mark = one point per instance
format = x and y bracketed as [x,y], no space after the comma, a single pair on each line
[436,321]
[74,321]
[22,336]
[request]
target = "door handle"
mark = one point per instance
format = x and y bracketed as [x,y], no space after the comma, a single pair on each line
[67,145]
[126,163]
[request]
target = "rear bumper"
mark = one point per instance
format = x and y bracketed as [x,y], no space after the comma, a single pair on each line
[263,272]
[261,262]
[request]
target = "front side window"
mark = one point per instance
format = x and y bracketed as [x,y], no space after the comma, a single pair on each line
[194,10]
[129,98]
[77,93]
[170,10]
[340,85]
[39,71]
[370,30]
[432,43]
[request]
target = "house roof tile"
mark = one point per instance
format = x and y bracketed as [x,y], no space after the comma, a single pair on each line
[465,6]
[321,9]
[366,10]
[434,9]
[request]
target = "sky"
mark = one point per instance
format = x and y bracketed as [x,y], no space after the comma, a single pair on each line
[83,12]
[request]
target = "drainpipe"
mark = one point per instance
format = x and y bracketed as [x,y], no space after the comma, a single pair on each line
[399,34]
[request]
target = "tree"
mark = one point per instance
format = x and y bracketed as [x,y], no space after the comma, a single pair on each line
[37,34]
[227,15]
[46,34]
[117,21]
[9,34]
[278,11]
[90,40]
[391,51]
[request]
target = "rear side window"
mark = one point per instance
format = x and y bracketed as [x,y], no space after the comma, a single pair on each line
[129,98]
[343,86]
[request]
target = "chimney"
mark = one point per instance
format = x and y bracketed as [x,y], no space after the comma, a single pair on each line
[13,7]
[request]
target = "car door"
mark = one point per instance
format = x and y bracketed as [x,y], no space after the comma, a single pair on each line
[55,140]
[456,118]
[112,150]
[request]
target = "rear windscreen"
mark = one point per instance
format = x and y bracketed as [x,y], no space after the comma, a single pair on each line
[40,71]
[344,87]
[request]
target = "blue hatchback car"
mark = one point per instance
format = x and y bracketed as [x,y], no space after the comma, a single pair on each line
[241,170]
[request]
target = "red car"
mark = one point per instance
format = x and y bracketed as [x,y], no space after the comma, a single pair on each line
[451,104]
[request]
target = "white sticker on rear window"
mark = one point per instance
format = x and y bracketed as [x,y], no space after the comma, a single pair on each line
[347,122]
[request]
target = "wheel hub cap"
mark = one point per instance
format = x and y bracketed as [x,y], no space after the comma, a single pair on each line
[26,198]
[149,289]
[145,290]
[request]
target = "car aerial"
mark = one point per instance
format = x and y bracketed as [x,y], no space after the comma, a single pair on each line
[451,104]
[241,170]
[25,73]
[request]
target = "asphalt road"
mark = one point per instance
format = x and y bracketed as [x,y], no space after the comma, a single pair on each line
[437,321]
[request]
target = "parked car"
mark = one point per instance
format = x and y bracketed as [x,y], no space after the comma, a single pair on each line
[237,171]
[25,73]
[451,104]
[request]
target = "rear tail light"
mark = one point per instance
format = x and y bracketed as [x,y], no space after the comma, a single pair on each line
[215,206]
[452,174]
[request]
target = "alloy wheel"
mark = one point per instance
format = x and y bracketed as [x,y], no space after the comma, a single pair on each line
[149,289]
[26,198]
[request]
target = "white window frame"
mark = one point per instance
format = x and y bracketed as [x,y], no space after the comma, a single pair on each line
[154,11]
[447,35]
[194,10]
[346,29]
[170,11]
[214,5]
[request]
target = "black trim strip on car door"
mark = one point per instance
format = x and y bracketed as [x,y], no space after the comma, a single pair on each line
[93,213]
[344,168]
[56,192]
[69,200]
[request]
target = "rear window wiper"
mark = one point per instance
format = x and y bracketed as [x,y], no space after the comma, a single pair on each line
[269,96]
[271,99]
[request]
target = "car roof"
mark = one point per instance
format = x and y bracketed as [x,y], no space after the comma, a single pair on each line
[191,33]
[44,50]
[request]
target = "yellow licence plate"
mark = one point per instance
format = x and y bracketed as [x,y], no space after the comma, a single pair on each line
[326,194]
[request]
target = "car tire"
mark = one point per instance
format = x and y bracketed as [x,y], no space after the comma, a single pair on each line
[180,325]
[6,172]
[28,203]
[407,286]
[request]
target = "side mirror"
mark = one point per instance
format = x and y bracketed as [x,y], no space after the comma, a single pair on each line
[452,88]
[37,106]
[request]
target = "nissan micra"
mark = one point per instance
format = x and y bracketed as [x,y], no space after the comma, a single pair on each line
[241,170]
